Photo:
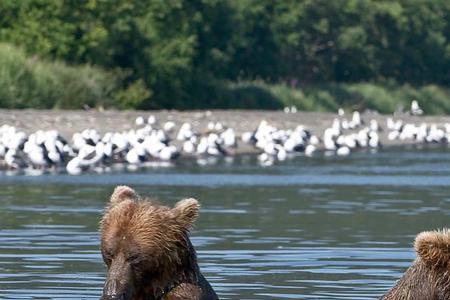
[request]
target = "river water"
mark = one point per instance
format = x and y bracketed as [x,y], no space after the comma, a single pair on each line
[306,228]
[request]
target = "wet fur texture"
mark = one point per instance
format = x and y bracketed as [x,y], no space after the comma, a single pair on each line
[429,276]
[147,250]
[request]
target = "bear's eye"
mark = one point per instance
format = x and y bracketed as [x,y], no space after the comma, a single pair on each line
[133,258]
[108,253]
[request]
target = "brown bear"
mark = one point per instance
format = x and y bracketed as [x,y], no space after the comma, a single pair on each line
[147,250]
[429,276]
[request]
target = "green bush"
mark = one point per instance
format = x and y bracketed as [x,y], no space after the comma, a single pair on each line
[382,97]
[30,82]
[132,96]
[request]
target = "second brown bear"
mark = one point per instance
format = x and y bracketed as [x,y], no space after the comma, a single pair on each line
[429,276]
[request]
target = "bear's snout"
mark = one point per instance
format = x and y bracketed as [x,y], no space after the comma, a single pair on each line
[113,290]
[119,282]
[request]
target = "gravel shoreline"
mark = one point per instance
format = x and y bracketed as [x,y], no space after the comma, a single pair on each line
[67,122]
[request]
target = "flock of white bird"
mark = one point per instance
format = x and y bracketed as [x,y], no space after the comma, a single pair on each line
[89,150]
[346,135]
[277,144]
[421,133]
[154,142]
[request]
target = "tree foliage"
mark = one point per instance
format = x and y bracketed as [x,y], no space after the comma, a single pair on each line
[178,52]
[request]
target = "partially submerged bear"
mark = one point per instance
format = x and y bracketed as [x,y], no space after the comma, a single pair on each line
[147,250]
[429,276]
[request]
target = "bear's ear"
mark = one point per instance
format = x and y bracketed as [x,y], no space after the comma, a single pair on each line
[121,193]
[186,212]
[433,247]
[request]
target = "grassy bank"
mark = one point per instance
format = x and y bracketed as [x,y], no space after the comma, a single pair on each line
[385,98]
[31,82]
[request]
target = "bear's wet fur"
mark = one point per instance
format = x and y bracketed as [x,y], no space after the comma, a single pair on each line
[429,276]
[147,250]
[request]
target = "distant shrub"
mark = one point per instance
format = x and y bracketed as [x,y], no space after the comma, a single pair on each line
[371,96]
[29,82]
[434,99]
[383,97]
[132,96]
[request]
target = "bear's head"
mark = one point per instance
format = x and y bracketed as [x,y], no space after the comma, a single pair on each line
[146,246]
[433,249]
[429,275]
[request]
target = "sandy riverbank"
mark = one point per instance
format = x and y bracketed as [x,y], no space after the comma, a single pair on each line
[68,122]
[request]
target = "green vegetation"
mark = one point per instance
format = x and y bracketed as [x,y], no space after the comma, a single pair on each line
[31,82]
[385,98]
[318,54]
